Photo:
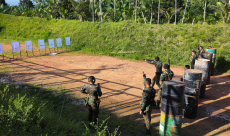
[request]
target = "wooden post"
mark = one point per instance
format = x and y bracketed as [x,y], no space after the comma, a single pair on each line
[66,47]
[57,49]
[27,53]
[45,51]
[33,52]
[20,54]
[49,49]
[39,52]
[3,56]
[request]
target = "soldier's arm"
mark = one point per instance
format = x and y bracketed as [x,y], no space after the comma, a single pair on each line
[150,62]
[162,77]
[82,90]
[99,93]
[143,101]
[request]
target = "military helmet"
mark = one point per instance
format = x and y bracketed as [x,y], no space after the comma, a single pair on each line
[157,58]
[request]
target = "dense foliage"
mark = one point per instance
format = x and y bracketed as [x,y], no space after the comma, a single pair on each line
[124,39]
[142,11]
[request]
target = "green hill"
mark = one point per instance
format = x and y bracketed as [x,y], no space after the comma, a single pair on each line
[124,39]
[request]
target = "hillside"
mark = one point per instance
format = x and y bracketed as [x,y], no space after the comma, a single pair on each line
[124,39]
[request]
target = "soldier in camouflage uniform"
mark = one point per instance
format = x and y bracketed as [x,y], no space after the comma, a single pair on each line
[158,66]
[147,103]
[201,50]
[165,76]
[193,59]
[92,100]
[185,68]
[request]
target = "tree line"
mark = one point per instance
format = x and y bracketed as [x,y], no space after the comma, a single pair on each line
[141,11]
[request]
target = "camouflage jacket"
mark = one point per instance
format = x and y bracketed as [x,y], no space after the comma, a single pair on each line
[194,57]
[200,51]
[92,90]
[158,66]
[148,96]
[166,75]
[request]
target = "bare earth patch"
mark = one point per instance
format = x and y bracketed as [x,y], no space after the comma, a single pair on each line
[122,84]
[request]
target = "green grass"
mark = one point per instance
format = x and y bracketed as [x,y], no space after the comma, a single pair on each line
[134,42]
[5,70]
[31,110]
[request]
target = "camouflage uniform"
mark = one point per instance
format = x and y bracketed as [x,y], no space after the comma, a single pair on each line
[93,92]
[147,104]
[200,52]
[194,57]
[165,76]
[156,78]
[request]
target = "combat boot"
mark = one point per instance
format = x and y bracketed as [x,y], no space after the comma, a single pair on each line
[147,132]
[157,105]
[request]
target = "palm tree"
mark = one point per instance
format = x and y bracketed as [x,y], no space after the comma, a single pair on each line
[135,11]
[175,11]
[184,11]
[170,12]
[223,8]
[151,16]
[158,12]
[205,5]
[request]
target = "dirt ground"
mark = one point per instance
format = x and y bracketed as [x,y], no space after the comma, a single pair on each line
[122,83]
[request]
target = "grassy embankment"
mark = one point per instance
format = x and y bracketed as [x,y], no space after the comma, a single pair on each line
[124,40]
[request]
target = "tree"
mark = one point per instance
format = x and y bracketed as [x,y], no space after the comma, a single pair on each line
[175,10]
[27,3]
[3,2]
[205,5]
[223,8]
[158,12]
[184,11]
[151,14]
[170,12]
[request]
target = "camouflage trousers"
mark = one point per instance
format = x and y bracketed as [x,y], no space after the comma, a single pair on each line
[93,112]
[156,79]
[147,117]
[159,95]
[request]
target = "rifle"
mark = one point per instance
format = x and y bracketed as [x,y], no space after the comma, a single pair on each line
[198,47]
[98,100]
[149,59]
[144,76]
[169,63]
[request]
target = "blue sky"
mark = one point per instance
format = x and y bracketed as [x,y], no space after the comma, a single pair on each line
[12,2]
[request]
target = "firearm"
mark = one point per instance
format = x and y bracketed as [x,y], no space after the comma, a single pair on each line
[198,47]
[149,59]
[144,76]
[169,63]
[98,100]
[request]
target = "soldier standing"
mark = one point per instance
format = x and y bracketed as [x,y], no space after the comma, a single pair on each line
[92,100]
[185,68]
[147,103]
[158,66]
[193,58]
[201,50]
[165,76]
